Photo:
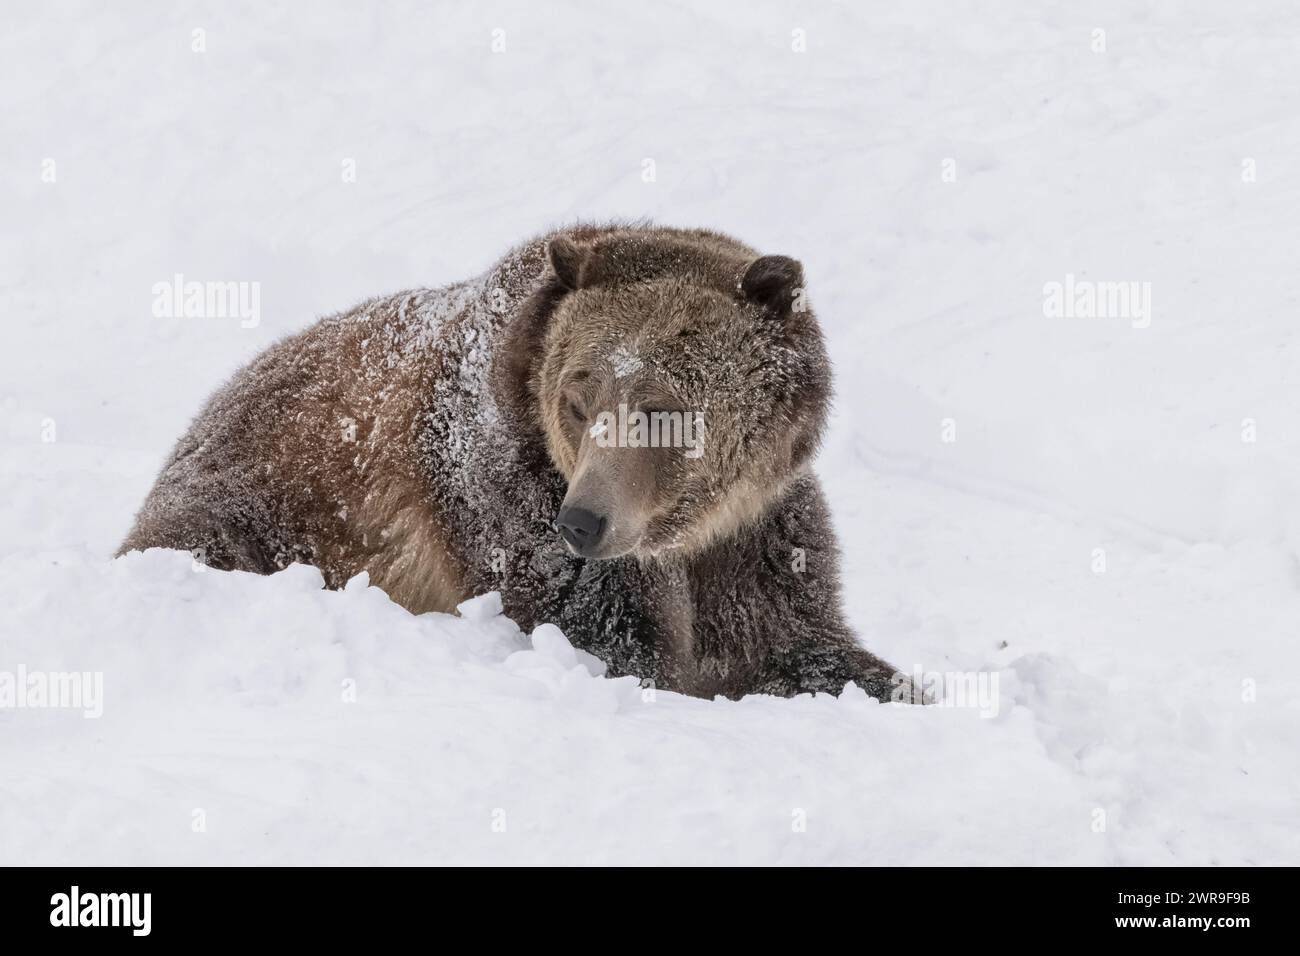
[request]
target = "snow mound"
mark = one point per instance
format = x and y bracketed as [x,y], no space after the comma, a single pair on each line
[261,720]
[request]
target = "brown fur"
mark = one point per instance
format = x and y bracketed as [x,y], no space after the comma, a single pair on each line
[272,472]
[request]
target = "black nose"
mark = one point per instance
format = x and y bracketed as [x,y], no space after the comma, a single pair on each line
[580,528]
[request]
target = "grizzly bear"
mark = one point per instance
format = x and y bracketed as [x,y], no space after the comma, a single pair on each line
[499,435]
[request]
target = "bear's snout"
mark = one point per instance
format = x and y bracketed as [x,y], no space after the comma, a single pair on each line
[581,529]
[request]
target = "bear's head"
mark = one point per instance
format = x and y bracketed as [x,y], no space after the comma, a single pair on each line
[679,382]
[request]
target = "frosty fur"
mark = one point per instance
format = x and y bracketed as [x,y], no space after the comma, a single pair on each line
[421,438]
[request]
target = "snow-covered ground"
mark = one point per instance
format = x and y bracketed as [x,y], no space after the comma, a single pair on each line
[1097,511]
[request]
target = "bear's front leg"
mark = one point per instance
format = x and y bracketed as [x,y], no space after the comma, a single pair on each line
[768,616]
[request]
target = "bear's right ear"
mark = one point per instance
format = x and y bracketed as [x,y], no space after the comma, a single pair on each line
[773,282]
[566,258]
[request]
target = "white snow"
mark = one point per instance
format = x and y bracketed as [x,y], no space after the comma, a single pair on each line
[1100,512]
[625,360]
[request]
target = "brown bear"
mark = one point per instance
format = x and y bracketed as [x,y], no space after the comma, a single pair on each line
[612,427]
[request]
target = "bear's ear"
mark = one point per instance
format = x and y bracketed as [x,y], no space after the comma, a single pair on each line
[773,282]
[566,258]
